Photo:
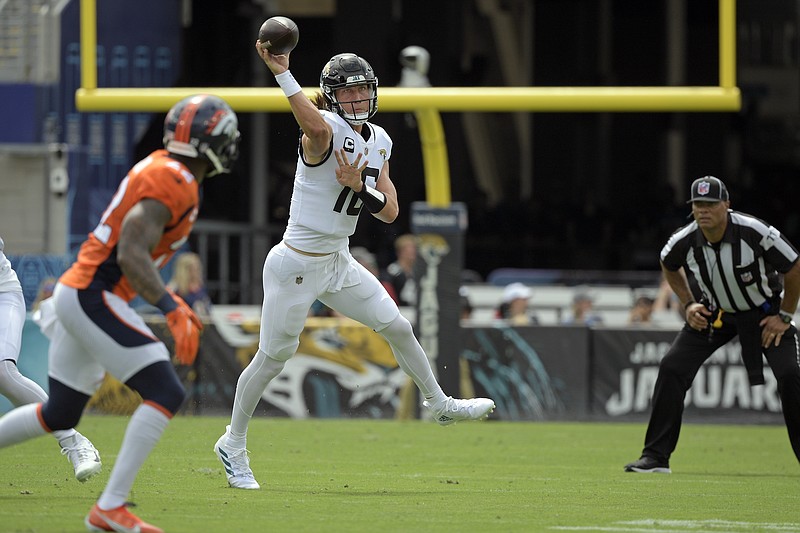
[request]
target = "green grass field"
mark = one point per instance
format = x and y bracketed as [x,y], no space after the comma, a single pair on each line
[376,475]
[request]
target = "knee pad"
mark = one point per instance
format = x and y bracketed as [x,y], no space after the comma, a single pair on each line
[398,329]
[385,312]
[282,349]
[64,407]
[159,383]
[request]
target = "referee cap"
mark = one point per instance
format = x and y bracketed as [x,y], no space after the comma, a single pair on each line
[708,189]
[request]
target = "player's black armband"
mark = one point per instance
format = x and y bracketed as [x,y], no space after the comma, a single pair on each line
[373,199]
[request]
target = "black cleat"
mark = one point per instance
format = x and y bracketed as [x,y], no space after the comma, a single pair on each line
[648,465]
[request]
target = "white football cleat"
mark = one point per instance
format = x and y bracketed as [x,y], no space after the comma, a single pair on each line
[455,410]
[236,464]
[83,455]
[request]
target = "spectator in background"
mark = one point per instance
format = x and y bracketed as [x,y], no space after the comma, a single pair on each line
[465,305]
[400,273]
[642,311]
[514,306]
[188,282]
[666,300]
[583,313]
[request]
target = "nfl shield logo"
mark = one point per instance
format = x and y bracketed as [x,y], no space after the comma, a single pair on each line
[298,280]
[703,187]
[747,277]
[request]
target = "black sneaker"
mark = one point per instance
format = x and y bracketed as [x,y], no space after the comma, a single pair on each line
[648,465]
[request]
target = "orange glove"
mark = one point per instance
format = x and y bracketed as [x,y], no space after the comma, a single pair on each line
[185,328]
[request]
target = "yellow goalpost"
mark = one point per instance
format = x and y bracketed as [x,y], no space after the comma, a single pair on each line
[428,102]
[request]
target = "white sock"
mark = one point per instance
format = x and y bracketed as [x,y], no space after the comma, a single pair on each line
[63,435]
[142,434]
[412,359]
[21,424]
[21,390]
[249,388]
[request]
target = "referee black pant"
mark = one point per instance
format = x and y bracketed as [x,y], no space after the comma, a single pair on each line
[678,368]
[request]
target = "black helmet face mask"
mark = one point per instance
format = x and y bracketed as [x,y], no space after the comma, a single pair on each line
[349,70]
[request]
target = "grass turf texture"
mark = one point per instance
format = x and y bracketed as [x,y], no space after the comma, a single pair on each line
[377,475]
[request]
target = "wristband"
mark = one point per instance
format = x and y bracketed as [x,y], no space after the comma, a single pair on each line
[690,302]
[166,303]
[288,83]
[373,199]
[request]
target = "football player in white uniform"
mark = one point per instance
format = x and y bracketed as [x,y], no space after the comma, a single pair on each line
[342,167]
[23,391]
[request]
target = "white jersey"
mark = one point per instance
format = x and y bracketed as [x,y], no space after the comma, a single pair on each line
[323,214]
[8,278]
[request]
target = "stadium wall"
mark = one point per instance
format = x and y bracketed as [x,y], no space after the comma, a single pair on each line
[344,369]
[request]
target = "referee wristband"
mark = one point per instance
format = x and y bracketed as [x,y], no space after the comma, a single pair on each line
[166,303]
[690,302]
[288,83]
[373,199]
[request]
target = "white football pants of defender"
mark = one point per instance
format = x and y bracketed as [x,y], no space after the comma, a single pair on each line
[292,281]
[19,389]
[81,351]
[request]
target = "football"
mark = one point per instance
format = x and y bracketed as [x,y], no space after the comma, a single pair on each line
[278,35]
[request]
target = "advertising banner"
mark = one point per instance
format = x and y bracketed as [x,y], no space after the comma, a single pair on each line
[625,368]
[441,257]
[344,369]
[532,373]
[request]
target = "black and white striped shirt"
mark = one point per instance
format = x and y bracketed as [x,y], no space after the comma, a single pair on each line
[738,273]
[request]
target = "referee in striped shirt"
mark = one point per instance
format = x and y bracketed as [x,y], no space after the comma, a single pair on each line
[730,285]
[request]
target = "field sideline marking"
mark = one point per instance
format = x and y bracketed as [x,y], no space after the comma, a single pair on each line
[679,526]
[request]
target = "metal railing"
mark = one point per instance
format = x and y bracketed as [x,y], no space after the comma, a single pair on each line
[233,255]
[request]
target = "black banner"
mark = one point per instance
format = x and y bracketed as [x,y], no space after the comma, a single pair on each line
[532,373]
[441,260]
[626,366]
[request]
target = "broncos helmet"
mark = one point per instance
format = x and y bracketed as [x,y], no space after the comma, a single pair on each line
[345,70]
[205,127]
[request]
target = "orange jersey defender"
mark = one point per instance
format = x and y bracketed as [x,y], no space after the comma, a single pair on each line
[158,177]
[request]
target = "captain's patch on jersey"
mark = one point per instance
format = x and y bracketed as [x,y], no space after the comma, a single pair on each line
[349,145]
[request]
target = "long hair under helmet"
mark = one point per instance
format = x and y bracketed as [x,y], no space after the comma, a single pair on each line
[345,70]
[205,127]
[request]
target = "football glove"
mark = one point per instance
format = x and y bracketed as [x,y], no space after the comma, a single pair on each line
[185,328]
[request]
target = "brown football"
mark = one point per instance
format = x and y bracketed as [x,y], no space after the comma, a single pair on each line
[279,35]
